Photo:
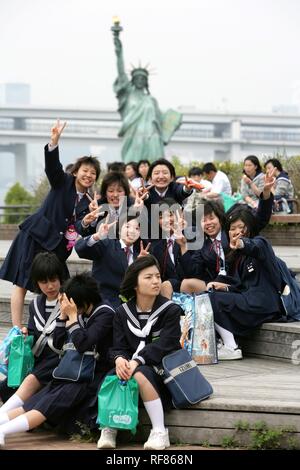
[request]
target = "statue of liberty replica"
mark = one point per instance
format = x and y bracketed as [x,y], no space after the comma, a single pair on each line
[145,129]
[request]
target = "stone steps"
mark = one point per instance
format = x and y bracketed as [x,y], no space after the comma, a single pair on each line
[279,341]
[264,386]
[251,391]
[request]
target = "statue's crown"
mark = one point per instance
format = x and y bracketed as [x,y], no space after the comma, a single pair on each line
[139,71]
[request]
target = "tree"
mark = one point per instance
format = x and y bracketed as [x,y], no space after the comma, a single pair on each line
[17,195]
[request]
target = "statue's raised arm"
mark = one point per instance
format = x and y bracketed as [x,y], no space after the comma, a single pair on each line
[145,130]
[119,55]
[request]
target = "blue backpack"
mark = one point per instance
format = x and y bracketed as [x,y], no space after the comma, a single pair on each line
[290,292]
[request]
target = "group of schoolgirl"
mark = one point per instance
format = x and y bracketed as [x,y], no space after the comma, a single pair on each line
[128,342]
[234,264]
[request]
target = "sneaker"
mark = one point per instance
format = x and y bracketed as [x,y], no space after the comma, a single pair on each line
[157,440]
[2,440]
[107,439]
[227,354]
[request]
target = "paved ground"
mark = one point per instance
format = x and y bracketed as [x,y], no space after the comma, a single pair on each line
[45,440]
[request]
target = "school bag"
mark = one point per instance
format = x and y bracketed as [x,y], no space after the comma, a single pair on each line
[184,380]
[75,366]
[290,292]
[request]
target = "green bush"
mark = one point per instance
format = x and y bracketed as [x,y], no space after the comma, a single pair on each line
[16,196]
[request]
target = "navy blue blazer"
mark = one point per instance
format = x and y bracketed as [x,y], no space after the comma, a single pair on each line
[83,210]
[253,298]
[203,264]
[168,269]
[109,265]
[49,223]
[175,191]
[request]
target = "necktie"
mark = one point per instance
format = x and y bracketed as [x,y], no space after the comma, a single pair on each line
[216,244]
[170,243]
[128,253]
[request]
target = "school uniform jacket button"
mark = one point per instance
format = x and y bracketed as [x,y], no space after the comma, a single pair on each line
[61,233]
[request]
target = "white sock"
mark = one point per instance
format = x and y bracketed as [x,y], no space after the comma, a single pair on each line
[227,337]
[155,411]
[13,402]
[18,424]
[3,418]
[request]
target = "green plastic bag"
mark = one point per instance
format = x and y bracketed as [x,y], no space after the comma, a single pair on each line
[229,201]
[118,403]
[20,360]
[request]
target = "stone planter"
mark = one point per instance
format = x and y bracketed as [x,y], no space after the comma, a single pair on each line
[283,234]
[8,231]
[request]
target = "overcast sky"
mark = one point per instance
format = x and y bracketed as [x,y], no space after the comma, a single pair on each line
[212,54]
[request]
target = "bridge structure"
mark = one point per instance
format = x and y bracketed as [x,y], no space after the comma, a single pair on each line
[203,136]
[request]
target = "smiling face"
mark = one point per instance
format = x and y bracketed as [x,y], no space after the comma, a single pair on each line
[85,177]
[148,283]
[130,232]
[166,221]
[115,194]
[161,177]
[211,225]
[237,228]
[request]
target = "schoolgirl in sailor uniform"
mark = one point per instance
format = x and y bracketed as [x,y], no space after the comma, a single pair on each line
[51,227]
[87,323]
[146,328]
[47,275]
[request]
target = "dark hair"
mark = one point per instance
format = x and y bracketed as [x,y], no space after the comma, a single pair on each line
[142,162]
[162,161]
[217,208]
[133,166]
[168,202]
[207,167]
[195,171]
[125,218]
[116,166]
[112,178]
[46,266]
[83,289]
[255,161]
[246,216]
[130,281]
[69,168]
[92,161]
[276,163]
